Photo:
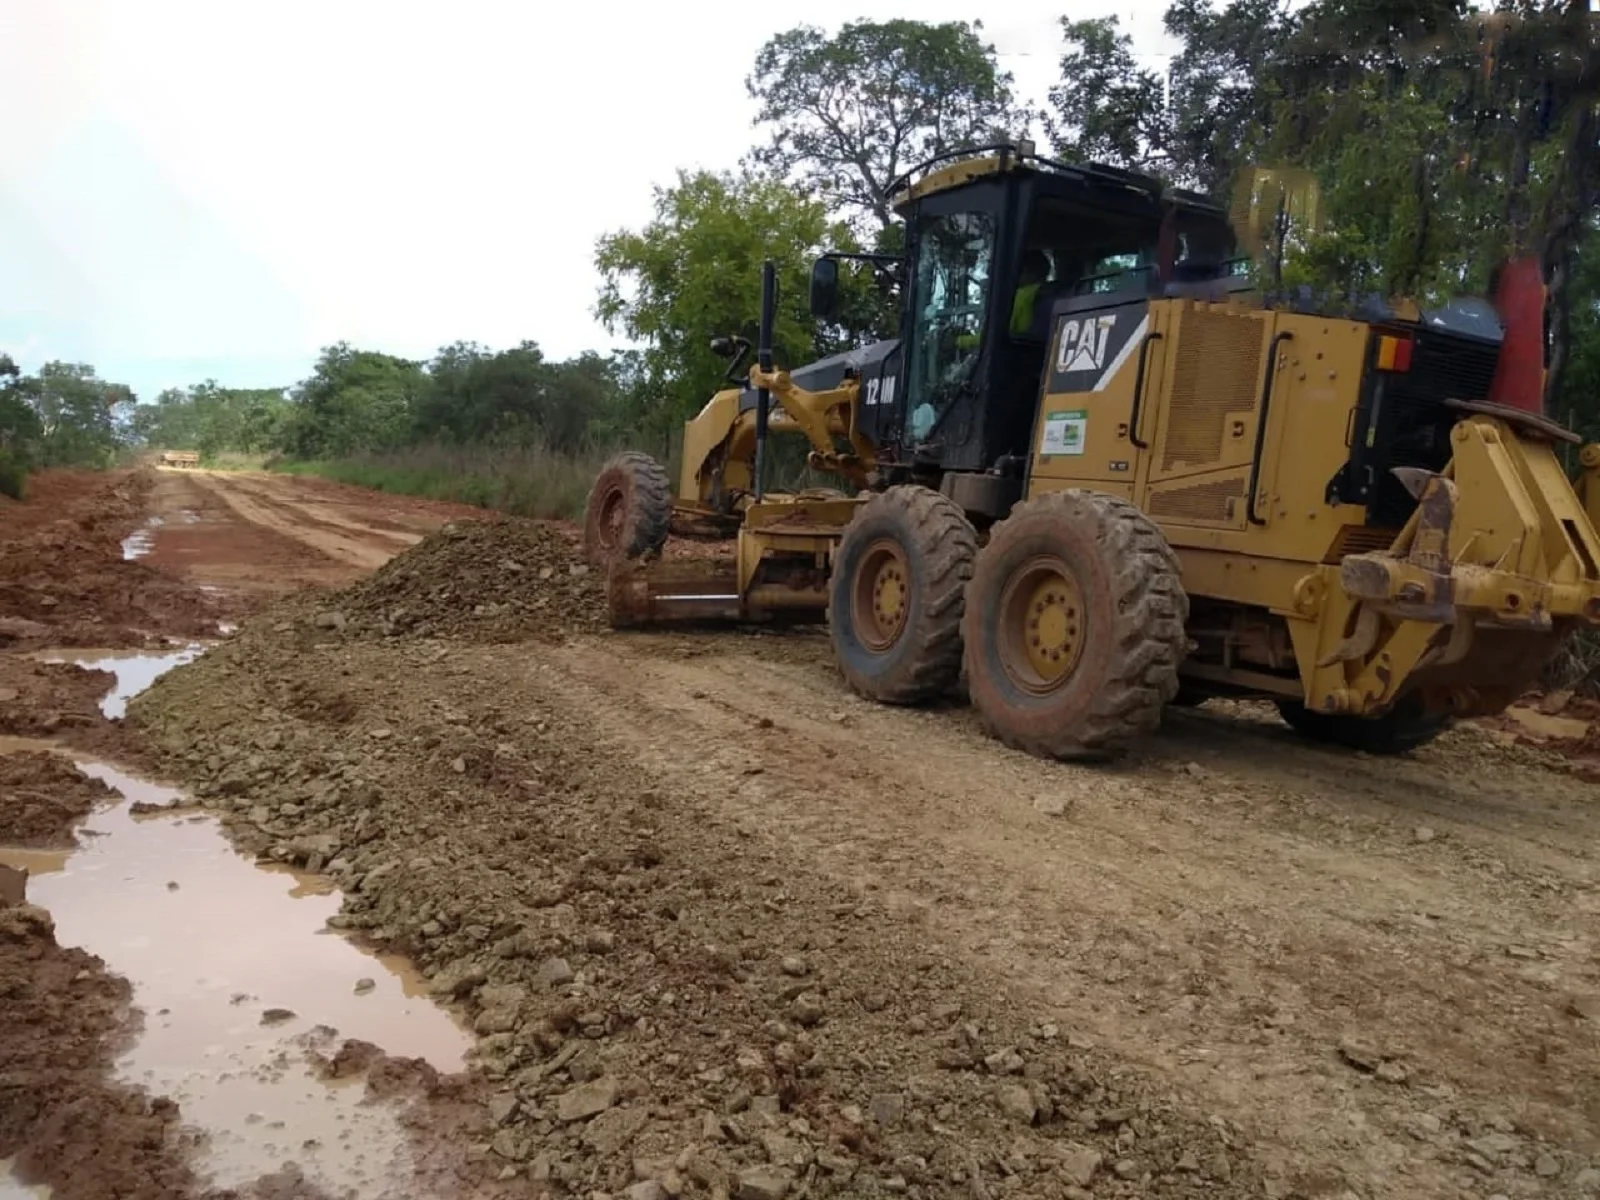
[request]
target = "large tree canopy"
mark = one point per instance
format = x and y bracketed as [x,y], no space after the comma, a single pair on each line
[693,273]
[846,113]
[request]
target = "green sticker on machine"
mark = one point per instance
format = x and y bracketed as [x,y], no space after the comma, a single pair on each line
[1064,432]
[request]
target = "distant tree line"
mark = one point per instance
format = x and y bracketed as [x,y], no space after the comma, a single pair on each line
[62,416]
[1442,139]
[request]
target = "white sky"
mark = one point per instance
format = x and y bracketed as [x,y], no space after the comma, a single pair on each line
[193,189]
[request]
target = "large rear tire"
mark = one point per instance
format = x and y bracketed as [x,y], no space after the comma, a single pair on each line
[629,511]
[896,595]
[1400,730]
[1074,626]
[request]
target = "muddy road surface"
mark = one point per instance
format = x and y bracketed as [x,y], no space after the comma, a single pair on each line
[651,914]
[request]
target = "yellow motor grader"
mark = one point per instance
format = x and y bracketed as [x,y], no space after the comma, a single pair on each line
[1100,471]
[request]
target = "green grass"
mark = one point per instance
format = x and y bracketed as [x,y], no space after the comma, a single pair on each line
[529,481]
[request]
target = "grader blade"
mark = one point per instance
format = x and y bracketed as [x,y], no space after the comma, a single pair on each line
[689,591]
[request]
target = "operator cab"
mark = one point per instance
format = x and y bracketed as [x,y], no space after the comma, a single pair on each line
[998,246]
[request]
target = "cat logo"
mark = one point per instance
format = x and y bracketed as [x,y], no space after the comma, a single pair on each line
[1083,344]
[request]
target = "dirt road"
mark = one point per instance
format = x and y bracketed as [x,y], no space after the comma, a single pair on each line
[265,533]
[723,929]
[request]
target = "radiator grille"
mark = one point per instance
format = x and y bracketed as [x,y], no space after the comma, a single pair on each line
[1217,500]
[1217,372]
[1359,539]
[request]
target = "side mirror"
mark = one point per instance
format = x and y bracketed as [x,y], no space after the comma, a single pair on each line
[825,288]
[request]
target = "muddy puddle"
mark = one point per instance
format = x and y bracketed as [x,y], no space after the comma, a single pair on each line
[236,977]
[134,670]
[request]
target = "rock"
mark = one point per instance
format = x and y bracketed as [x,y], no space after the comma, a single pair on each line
[1587,1007]
[1527,953]
[554,972]
[1547,1166]
[1050,806]
[794,966]
[783,1151]
[495,1020]
[502,1107]
[763,1183]
[277,1016]
[1079,1164]
[611,1131]
[1493,1145]
[587,1099]
[807,1009]
[1004,1062]
[365,985]
[600,941]
[329,619]
[888,1108]
[648,1190]
[1359,1055]
[1587,1180]
[13,887]
[1126,1168]
[1423,833]
[510,1145]
[1392,1072]
[1016,1102]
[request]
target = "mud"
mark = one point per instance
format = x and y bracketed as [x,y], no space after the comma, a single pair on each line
[44,797]
[65,580]
[210,943]
[131,672]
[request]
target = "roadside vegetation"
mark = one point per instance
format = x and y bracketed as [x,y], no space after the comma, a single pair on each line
[1442,141]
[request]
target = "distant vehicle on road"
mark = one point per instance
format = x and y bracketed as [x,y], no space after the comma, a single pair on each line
[180,458]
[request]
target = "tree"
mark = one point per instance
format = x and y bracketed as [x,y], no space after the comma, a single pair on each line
[355,401]
[847,114]
[1106,108]
[694,273]
[77,415]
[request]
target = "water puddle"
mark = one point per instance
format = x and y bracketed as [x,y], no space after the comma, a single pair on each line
[135,670]
[137,544]
[235,973]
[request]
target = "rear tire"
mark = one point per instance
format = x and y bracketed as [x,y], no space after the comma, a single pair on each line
[1074,626]
[629,511]
[1398,731]
[897,594]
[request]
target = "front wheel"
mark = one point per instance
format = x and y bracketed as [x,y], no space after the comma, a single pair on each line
[1403,728]
[629,511]
[1074,626]
[897,592]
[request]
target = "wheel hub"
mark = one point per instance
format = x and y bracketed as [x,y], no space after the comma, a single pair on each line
[882,595]
[613,513]
[1043,620]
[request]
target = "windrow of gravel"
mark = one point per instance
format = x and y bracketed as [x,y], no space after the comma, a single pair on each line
[495,580]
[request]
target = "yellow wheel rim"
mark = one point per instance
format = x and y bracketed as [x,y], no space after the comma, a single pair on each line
[1043,621]
[881,598]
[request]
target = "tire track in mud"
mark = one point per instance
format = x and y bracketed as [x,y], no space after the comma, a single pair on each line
[1228,924]
[347,542]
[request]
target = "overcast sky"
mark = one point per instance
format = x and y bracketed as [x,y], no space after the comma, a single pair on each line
[194,189]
